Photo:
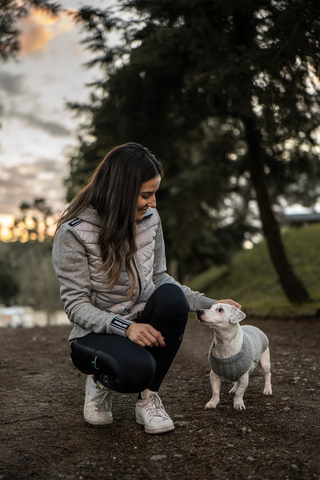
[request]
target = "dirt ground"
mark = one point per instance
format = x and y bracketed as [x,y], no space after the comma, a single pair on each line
[44,435]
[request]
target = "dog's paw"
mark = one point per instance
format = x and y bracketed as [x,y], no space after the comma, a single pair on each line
[267,390]
[239,405]
[212,404]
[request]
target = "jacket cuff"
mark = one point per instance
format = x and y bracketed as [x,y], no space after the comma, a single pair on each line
[118,326]
[205,303]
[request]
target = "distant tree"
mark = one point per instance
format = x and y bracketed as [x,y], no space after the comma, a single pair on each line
[11,11]
[9,286]
[227,94]
[27,277]
[20,227]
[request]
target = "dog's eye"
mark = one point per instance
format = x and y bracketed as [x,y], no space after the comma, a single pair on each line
[220,310]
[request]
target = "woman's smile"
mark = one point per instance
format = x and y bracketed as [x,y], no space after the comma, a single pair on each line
[147,196]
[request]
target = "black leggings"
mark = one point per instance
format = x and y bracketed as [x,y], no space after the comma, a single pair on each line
[123,365]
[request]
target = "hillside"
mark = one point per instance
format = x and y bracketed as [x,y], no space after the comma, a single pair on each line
[252,281]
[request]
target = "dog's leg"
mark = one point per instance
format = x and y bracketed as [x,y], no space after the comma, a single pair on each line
[215,381]
[241,386]
[266,367]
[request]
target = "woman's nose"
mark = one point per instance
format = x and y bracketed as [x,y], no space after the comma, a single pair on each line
[152,202]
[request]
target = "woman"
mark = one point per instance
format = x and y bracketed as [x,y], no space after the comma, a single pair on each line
[128,314]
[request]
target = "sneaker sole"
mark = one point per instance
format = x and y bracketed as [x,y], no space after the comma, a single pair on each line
[154,430]
[92,422]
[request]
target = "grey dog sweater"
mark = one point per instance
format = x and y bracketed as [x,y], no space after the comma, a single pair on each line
[255,342]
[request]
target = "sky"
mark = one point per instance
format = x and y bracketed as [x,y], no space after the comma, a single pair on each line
[37,130]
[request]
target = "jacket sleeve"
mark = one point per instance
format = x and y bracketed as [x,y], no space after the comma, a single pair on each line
[72,270]
[196,300]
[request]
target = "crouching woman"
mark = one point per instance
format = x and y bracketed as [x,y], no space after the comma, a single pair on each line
[128,314]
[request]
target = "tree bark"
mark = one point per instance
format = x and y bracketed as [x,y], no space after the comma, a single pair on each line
[291,284]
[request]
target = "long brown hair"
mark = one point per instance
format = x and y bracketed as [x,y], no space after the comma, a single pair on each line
[113,191]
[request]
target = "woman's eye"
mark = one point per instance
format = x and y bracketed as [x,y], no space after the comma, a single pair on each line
[220,309]
[145,196]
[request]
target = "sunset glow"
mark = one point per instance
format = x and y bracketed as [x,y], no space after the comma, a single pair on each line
[39,28]
[12,228]
[6,221]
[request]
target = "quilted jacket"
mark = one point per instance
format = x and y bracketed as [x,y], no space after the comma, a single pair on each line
[89,304]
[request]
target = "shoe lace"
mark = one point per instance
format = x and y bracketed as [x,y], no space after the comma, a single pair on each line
[103,400]
[153,407]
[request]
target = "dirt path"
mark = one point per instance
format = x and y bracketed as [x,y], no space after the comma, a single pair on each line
[44,436]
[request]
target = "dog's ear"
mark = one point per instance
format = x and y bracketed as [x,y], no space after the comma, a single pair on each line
[236,315]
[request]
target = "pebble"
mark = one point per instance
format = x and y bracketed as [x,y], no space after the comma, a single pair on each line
[250,459]
[155,458]
[294,467]
[181,424]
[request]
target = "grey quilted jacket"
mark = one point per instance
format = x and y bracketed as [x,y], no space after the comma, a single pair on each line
[89,304]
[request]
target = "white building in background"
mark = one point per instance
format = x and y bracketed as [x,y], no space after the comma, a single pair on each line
[27,317]
[297,219]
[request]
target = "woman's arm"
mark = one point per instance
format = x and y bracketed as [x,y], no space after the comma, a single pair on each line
[196,300]
[72,270]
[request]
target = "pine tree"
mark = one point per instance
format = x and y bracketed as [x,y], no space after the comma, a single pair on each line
[227,95]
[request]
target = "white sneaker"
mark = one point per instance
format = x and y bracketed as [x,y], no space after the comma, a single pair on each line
[98,403]
[151,413]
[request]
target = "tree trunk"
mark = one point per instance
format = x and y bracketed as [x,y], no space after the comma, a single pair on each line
[291,284]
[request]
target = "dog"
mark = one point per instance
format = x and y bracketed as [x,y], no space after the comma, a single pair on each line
[234,352]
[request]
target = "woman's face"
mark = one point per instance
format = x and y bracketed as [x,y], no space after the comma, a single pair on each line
[147,196]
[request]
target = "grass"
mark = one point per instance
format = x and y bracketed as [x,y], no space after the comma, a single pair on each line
[252,280]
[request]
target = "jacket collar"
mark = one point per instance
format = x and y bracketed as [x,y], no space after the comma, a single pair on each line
[148,213]
[90,215]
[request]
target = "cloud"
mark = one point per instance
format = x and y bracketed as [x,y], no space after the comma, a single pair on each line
[11,83]
[28,181]
[38,28]
[54,129]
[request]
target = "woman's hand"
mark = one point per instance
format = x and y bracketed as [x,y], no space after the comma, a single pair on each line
[145,335]
[229,302]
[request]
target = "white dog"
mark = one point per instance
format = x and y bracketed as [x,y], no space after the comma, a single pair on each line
[234,352]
